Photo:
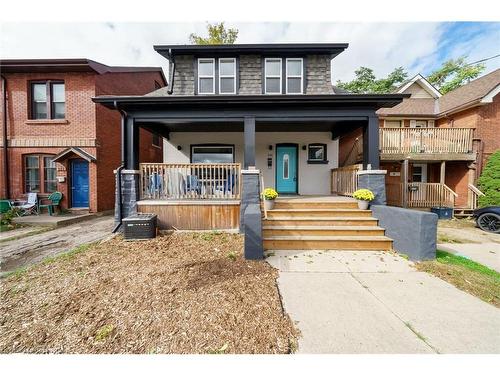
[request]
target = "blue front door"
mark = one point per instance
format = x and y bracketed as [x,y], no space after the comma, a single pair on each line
[286,169]
[79,183]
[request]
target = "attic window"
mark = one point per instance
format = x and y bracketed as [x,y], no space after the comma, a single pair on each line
[206,76]
[273,76]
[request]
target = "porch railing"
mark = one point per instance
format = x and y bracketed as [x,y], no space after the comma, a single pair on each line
[475,194]
[190,181]
[344,180]
[421,195]
[426,140]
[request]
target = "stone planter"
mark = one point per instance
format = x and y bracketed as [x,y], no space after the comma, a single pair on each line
[363,205]
[269,204]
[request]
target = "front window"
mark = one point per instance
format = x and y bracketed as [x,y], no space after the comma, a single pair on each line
[392,124]
[294,76]
[212,154]
[40,174]
[316,152]
[273,76]
[206,76]
[48,100]
[227,76]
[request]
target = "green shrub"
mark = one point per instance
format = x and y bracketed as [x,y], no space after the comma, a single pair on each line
[489,182]
[6,218]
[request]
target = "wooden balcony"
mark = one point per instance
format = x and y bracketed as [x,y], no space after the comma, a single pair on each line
[426,143]
[420,195]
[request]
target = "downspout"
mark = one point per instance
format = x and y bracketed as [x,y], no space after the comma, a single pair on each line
[119,169]
[172,73]
[4,137]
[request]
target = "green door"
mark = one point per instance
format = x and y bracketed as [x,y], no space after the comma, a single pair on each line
[286,169]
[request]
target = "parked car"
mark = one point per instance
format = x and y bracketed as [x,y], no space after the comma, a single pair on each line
[488,218]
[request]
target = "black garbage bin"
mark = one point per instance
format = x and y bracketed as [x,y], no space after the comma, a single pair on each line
[445,213]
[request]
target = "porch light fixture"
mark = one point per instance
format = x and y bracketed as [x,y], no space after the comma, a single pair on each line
[304,147]
[270,147]
[179,147]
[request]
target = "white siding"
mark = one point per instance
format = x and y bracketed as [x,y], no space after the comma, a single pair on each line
[313,178]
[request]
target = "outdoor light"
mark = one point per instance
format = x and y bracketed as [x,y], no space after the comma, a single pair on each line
[270,147]
[304,147]
[179,148]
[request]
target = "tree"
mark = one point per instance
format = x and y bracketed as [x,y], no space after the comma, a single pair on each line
[217,34]
[489,182]
[366,82]
[454,73]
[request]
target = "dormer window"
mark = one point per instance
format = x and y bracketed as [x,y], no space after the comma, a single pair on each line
[217,76]
[294,76]
[206,76]
[227,75]
[273,75]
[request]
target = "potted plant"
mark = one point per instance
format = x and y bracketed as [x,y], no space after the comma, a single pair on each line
[269,196]
[364,197]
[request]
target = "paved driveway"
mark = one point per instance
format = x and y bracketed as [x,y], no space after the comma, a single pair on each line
[375,302]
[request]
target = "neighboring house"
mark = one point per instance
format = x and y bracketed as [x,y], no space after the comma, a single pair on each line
[269,108]
[57,139]
[439,142]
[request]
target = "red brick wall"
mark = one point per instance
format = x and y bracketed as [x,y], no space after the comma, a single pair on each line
[109,133]
[84,120]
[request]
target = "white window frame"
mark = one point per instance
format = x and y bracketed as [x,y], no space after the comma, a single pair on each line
[280,76]
[206,76]
[301,76]
[233,59]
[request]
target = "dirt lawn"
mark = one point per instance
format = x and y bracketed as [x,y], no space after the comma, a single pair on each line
[181,293]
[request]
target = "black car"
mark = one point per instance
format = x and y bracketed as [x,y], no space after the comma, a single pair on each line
[488,218]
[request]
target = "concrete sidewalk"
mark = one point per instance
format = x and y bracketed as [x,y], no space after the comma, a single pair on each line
[487,254]
[375,302]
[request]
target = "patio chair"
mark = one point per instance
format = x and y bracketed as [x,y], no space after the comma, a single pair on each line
[5,206]
[54,199]
[30,207]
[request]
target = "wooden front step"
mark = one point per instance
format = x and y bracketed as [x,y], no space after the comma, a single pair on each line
[298,204]
[327,243]
[320,221]
[295,230]
[319,212]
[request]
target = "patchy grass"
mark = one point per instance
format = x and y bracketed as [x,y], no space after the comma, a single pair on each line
[457,223]
[446,238]
[465,274]
[175,294]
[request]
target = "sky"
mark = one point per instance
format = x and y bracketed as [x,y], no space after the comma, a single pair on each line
[420,47]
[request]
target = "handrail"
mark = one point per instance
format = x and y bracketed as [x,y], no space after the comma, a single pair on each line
[344,180]
[421,195]
[475,194]
[476,190]
[450,190]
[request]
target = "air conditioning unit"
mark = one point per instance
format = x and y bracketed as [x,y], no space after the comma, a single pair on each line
[139,227]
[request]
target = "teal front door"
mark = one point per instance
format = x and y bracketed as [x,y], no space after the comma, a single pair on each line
[286,169]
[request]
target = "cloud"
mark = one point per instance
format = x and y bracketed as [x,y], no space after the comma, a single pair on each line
[418,46]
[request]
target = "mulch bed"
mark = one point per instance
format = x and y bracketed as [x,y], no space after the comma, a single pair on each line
[181,293]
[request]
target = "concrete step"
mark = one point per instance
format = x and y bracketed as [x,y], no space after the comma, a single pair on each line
[327,243]
[313,230]
[320,221]
[299,204]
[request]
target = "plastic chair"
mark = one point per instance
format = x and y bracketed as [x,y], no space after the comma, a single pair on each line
[55,199]
[31,206]
[5,206]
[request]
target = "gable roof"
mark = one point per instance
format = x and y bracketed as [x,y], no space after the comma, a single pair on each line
[470,93]
[70,65]
[422,82]
[481,90]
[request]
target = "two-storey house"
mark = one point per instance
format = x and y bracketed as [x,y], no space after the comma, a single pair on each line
[434,146]
[54,138]
[237,118]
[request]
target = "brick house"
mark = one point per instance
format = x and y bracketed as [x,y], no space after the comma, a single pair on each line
[439,142]
[54,138]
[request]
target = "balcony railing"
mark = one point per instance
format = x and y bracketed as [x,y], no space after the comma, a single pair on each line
[344,180]
[421,195]
[426,140]
[190,181]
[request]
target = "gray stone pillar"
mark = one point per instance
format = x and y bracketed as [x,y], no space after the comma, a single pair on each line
[250,215]
[373,180]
